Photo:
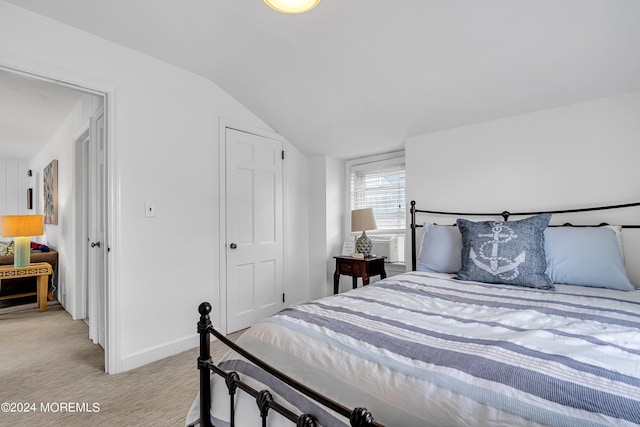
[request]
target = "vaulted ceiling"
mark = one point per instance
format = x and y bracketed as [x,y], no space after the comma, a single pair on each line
[357,77]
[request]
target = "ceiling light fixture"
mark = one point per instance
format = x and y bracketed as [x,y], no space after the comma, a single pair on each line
[292,6]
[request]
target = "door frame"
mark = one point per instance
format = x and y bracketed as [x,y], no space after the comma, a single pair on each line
[81,158]
[220,315]
[90,84]
[94,279]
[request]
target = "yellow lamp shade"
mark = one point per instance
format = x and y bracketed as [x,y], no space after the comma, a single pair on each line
[22,225]
[292,6]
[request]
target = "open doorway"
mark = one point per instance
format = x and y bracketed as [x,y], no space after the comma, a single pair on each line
[75,137]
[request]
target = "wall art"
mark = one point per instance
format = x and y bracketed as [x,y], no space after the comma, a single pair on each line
[50,174]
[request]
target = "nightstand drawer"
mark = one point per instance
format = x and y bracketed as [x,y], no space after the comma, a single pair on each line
[350,269]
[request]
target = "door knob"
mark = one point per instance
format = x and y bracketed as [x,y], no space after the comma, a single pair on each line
[233,246]
[94,244]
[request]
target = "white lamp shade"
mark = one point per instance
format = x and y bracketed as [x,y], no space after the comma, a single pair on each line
[363,219]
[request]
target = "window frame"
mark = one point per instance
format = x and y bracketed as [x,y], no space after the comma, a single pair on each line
[394,158]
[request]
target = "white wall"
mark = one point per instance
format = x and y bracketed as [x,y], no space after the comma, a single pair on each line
[317,227]
[575,156]
[326,218]
[14,183]
[335,184]
[296,274]
[165,151]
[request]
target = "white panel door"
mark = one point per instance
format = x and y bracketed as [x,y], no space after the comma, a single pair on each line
[254,240]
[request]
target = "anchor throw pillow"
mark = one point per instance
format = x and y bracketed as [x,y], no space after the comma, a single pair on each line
[510,252]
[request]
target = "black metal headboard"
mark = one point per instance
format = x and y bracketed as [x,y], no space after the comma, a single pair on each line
[504,214]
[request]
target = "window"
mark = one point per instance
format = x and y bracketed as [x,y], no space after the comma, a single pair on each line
[379,183]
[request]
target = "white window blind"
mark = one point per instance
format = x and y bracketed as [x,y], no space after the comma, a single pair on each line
[380,186]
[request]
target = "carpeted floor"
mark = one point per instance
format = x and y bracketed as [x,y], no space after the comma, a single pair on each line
[47,361]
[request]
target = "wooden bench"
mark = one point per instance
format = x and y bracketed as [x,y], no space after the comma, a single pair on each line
[41,270]
[29,285]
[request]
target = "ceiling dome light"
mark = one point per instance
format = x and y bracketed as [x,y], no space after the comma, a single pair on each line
[292,6]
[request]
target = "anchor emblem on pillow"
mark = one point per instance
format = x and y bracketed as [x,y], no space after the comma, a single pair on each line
[505,268]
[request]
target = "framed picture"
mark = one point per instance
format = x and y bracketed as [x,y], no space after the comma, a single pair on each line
[50,175]
[348,248]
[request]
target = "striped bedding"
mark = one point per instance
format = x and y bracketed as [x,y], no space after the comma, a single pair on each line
[424,349]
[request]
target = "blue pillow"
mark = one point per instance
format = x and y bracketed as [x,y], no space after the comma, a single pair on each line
[441,249]
[585,256]
[505,252]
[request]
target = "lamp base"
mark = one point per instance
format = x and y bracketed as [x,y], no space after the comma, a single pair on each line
[364,245]
[22,252]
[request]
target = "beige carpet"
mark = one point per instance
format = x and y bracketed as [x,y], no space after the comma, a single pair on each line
[47,361]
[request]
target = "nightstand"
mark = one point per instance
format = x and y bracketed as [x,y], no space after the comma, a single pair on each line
[358,267]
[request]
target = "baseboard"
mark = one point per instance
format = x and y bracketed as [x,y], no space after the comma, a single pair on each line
[152,354]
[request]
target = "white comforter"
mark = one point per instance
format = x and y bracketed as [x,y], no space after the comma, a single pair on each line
[428,350]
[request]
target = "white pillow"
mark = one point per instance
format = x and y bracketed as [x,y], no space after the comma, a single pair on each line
[618,230]
[441,249]
[585,256]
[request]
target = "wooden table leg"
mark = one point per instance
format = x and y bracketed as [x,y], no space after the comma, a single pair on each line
[365,279]
[43,285]
[354,280]
[336,281]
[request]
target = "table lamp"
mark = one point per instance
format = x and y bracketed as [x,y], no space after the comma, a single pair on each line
[362,220]
[22,227]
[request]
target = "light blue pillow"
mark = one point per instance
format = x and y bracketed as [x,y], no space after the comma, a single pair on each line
[505,252]
[441,249]
[585,256]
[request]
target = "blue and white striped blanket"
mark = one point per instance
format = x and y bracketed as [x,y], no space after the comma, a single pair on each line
[428,350]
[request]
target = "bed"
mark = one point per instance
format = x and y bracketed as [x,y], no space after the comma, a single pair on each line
[438,348]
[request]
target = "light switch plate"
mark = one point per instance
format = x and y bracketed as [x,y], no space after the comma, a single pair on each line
[149,210]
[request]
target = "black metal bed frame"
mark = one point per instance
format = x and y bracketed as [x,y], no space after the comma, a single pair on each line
[358,417]
[505,215]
